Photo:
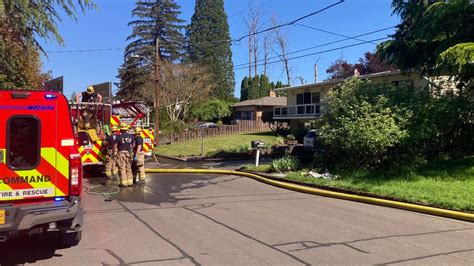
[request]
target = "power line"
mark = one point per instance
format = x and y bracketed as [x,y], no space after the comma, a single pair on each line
[84,50]
[330,32]
[237,41]
[290,22]
[324,44]
[321,52]
[342,40]
[234,41]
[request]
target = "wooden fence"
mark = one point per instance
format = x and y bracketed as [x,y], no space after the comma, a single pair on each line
[244,126]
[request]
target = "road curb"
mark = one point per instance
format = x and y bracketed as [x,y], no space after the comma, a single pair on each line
[326,193]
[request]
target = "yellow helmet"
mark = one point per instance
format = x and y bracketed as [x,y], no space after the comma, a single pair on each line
[90,90]
[123,126]
[115,129]
[138,130]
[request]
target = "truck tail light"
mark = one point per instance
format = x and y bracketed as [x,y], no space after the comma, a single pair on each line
[75,179]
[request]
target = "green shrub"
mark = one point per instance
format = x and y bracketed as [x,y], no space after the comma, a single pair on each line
[260,168]
[278,141]
[285,164]
[267,146]
[381,125]
[241,148]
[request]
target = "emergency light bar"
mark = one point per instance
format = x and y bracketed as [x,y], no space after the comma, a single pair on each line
[50,96]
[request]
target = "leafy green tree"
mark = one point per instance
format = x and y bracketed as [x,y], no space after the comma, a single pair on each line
[20,65]
[209,44]
[154,20]
[212,110]
[39,19]
[429,34]
[22,24]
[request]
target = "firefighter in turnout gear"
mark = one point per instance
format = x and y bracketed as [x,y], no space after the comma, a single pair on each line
[90,96]
[111,166]
[138,166]
[124,149]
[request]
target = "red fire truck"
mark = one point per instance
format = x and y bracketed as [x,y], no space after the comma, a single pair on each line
[40,167]
[93,122]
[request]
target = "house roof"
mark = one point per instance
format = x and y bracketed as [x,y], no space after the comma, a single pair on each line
[265,101]
[337,81]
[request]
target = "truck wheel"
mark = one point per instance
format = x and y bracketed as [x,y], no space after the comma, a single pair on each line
[70,239]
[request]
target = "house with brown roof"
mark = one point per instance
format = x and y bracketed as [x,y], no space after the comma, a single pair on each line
[253,109]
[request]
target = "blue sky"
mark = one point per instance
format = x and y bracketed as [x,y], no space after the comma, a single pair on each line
[107,27]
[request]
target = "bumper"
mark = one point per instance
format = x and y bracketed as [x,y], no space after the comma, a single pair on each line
[34,218]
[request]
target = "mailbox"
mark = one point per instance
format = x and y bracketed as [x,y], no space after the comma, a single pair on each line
[257,144]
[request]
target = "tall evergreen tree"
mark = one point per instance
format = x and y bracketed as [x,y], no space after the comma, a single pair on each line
[135,82]
[209,44]
[244,89]
[257,87]
[264,86]
[154,20]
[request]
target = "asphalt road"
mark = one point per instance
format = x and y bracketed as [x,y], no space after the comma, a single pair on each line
[229,220]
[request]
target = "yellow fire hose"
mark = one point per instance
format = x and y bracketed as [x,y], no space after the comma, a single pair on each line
[326,193]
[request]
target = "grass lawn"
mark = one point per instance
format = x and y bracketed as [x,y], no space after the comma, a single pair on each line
[447,183]
[193,147]
[259,168]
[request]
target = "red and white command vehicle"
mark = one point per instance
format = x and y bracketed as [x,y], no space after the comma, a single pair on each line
[40,167]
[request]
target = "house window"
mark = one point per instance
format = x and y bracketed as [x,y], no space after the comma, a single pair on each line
[315,97]
[300,110]
[246,115]
[300,98]
[308,98]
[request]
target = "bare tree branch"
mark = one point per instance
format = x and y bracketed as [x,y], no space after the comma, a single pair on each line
[253,20]
[183,85]
[281,40]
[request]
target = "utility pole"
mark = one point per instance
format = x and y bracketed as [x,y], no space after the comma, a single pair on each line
[157,86]
[316,72]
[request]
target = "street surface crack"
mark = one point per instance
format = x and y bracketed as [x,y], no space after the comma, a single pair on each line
[185,255]
[247,236]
